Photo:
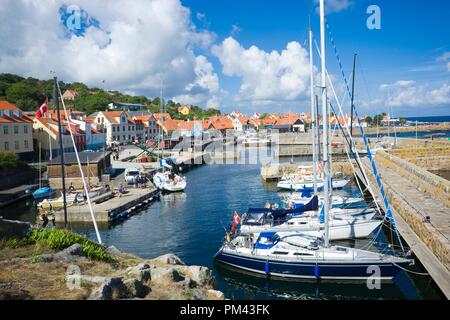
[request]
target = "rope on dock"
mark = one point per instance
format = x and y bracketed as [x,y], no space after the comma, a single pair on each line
[410,271]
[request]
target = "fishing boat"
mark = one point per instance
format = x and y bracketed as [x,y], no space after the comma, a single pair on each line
[300,256]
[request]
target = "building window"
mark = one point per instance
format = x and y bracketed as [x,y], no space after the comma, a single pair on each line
[16,129]
[16,145]
[124,138]
[124,128]
[25,129]
[6,145]
[5,129]
[25,143]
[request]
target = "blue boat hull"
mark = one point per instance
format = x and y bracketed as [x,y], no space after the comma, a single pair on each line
[304,269]
[43,193]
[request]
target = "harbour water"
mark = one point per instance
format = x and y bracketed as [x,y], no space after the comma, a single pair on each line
[425,134]
[191,225]
[432,119]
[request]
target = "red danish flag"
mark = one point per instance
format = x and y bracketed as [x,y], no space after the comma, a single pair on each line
[42,109]
[236,221]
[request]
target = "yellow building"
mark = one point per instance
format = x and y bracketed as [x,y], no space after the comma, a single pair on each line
[184,110]
[16,131]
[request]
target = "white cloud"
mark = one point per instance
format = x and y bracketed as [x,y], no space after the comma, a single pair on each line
[136,45]
[332,6]
[408,93]
[266,77]
[444,57]
[206,84]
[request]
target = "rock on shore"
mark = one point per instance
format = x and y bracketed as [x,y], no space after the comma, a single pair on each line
[128,277]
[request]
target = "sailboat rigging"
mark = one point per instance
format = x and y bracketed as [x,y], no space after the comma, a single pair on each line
[295,255]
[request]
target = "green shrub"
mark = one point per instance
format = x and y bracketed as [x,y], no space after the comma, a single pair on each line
[59,239]
[8,160]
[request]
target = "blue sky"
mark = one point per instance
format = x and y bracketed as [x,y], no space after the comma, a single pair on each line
[413,35]
[243,55]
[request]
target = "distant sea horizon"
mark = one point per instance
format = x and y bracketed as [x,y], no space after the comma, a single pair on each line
[429,118]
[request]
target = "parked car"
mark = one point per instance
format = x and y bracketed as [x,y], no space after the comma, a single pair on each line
[130,174]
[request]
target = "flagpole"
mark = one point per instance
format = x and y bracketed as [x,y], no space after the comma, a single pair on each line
[61,149]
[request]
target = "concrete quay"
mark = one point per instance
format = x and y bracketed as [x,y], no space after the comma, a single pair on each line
[116,208]
[420,205]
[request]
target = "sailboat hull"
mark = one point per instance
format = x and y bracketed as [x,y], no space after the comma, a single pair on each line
[44,192]
[351,270]
[309,185]
[339,230]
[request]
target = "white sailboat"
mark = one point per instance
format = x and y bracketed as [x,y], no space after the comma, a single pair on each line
[275,253]
[168,181]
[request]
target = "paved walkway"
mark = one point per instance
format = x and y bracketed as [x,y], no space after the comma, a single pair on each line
[422,204]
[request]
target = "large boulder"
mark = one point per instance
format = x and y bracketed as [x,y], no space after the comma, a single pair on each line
[112,250]
[74,250]
[136,288]
[46,257]
[71,253]
[111,288]
[201,275]
[141,272]
[215,295]
[165,275]
[169,259]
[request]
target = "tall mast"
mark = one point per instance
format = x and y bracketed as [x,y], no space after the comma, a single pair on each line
[61,148]
[40,165]
[325,124]
[352,101]
[316,119]
[161,117]
[313,111]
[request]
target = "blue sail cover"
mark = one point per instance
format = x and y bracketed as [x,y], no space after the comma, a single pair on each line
[280,213]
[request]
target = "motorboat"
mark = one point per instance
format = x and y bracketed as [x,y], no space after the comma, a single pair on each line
[58,203]
[168,182]
[256,142]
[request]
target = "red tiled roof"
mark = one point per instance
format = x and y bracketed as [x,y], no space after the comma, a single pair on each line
[243,119]
[165,115]
[173,125]
[5,105]
[221,122]
[113,115]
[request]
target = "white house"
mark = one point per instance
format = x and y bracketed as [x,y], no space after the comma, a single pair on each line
[120,127]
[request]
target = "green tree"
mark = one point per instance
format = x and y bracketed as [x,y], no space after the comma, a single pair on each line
[24,96]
